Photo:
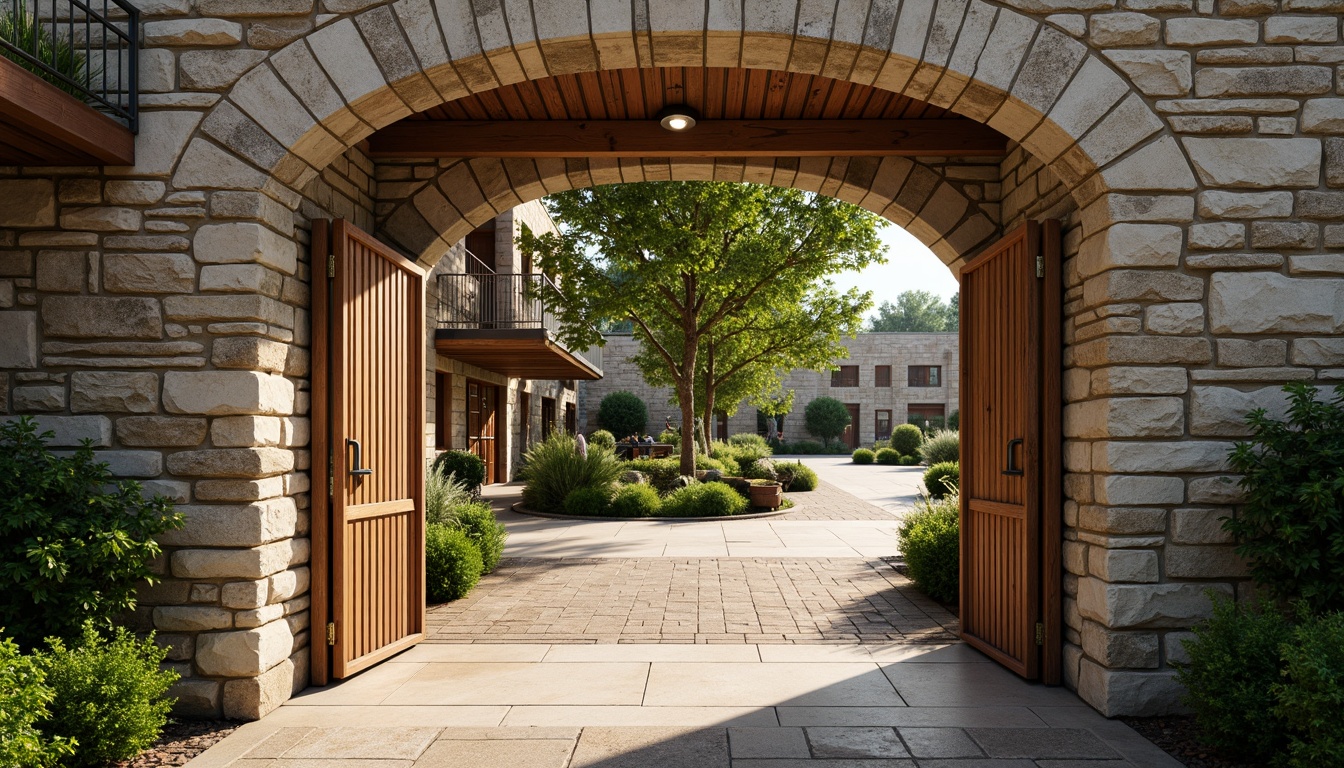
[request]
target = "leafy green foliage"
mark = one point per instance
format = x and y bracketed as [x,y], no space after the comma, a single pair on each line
[669,437]
[25,701]
[109,695]
[749,440]
[942,446]
[453,563]
[467,467]
[74,542]
[602,439]
[1291,527]
[761,469]
[942,479]
[796,476]
[589,502]
[704,500]
[906,439]
[826,418]
[864,456]
[478,521]
[917,312]
[623,414]
[930,543]
[954,421]
[22,28]
[1311,697]
[1234,662]
[801,448]
[444,495]
[662,473]
[909,461]
[554,469]
[888,456]
[635,501]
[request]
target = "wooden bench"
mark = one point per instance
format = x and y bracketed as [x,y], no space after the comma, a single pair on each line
[644,450]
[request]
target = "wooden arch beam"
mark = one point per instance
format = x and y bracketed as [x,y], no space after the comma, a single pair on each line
[708,139]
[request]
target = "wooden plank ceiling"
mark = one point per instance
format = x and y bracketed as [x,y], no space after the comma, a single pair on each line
[742,112]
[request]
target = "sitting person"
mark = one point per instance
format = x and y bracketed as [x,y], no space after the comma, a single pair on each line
[648,440]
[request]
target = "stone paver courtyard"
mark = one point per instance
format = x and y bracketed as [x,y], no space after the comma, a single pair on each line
[774,643]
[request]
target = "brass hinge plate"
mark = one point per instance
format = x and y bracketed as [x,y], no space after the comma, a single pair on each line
[331,265]
[331,633]
[1040,634]
[1040,266]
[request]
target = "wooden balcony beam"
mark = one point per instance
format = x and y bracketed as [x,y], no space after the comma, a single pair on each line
[48,126]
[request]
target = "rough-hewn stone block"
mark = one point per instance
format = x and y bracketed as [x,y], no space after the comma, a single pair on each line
[235,526]
[113,392]
[18,339]
[160,431]
[1122,606]
[98,317]
[227,393]
[232,462]
[148,273]
[1221,411]
[1262,302]
[244,653]
[1262,163]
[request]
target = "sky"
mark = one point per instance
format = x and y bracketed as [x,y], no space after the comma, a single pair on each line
[910,267]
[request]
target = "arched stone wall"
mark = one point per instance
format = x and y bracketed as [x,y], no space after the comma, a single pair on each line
[161,310]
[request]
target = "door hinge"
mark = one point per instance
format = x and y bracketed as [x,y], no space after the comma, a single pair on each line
[1040,266]
[331,265]
[1040,634]
[331,633]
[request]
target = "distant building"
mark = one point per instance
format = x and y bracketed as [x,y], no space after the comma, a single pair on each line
[887,379]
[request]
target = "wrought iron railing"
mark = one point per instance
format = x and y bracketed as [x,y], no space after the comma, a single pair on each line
[87,48]
[502,302]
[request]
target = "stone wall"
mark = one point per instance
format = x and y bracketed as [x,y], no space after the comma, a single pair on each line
[867,350]
[161,310]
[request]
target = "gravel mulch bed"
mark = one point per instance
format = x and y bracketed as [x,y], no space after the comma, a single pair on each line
[1179,737]
[182,741]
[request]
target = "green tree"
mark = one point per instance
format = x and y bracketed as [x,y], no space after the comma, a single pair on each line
[826,418]
[686,260]
[917,312]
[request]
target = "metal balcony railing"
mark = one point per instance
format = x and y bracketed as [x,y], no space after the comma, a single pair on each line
[87,48]
[503,302]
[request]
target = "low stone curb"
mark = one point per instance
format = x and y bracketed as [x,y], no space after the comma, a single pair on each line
[520,509]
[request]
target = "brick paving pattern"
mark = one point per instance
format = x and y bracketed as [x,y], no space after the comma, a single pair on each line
[829,502]
[711,600]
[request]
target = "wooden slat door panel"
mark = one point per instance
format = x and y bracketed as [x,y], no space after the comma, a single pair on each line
[1008,480]
[373,403]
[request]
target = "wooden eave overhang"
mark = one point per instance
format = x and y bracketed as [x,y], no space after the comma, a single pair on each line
[517,353]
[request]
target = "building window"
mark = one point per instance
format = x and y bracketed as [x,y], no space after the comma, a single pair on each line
[720,425]
[845,376]
[571,419]
[547,417]
[926,375]
[443,409]
[927,415]
[882,424]
[525,419]
[882,376]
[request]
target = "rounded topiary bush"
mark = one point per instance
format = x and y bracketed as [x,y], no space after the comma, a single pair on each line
[943,445]
[930,543]
[602,439]
[478,521]
[942,478]
[591,501]
[465,466]
[888,456]
[909,461]
[863,456]
[906,439]
[635,501]
[704,500]
[801,476]
[453,563]
[623,413]
[826,418]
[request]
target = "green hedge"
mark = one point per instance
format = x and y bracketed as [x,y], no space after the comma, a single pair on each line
[467,467]
[796,476]
[862,456]
[555,468]
[453,563]
[888,456]
[942,479]
[906,439]
[943,445]
[930,543]
[588,502]
[704,500]
[635,501]
[623,413]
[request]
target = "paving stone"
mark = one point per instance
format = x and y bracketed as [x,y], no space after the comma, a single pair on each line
[767,742]
[1043,744]
[372,743]
[864,743]
[644,747]
[514,753]
[939,742]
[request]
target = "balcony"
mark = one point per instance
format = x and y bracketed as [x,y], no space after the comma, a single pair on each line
[68,91]
[503,323]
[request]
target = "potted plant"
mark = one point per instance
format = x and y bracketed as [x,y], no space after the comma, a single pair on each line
[766,494]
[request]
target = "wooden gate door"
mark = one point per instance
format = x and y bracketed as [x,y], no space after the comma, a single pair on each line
[850,436]
[369,442]
[482,407]
[1011,486]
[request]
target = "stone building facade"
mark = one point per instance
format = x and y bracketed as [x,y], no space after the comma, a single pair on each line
[1193,148]
[883,397]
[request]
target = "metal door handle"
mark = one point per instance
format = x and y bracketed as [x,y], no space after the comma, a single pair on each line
[1012,466]
[358,470]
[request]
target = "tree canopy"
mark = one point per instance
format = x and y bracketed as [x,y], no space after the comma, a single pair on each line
[917,311]
[736,272]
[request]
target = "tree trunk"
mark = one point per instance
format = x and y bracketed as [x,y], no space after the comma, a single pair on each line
[686,396]
[709,398]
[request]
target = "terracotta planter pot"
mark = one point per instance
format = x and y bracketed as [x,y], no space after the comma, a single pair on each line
[770,496]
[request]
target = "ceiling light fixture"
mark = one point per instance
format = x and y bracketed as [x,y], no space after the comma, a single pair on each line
[677,117]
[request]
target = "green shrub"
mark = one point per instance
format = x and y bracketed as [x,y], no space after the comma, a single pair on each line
[669,437]
[749,440]
[944,445]
[888,456]
[704,500]
[800,476]
[623,414]
[1234,662]
[602,439]
[25,701]
[588,502]
[466,466]
[444,495]
[1291,527]
[478,521]
[705,462]
[930,543]
[453,564]
[804,448]
[906,439]
[635,501]
[954,421]
[75,543]
[761,469]
[826,418]
[109,695]
[662,473]
[864,456]
[942,479]
[1310,699]
[909,461]
[555,469]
